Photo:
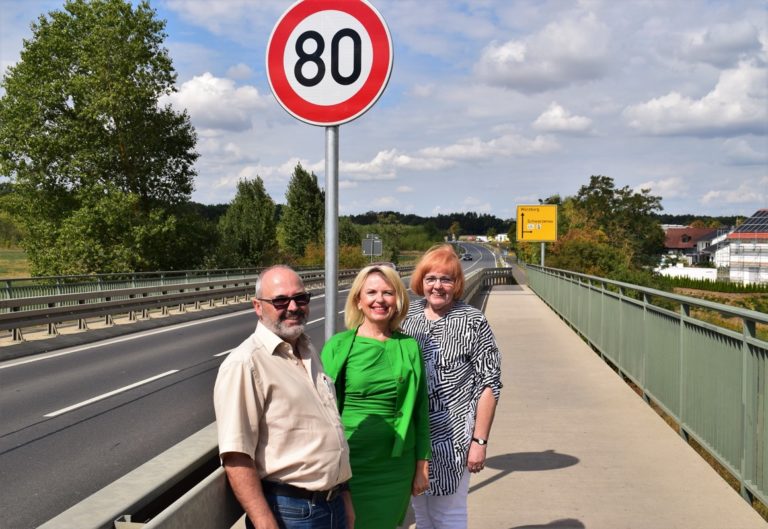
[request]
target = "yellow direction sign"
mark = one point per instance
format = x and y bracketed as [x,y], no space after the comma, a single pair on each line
[537,223]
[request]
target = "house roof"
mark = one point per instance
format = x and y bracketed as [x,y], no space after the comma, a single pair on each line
[682,238]
[755,227]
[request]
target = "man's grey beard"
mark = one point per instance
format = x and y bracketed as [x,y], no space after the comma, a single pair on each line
[293,332]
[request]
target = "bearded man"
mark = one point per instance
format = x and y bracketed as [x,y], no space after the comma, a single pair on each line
[280,437]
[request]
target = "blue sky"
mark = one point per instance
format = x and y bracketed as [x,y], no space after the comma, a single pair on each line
[491,103]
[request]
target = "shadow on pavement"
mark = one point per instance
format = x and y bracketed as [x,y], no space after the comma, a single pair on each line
[525,462]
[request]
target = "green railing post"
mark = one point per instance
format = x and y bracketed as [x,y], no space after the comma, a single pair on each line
[643,359]
[619,357]
[685,312]
[749,449]
[603,324]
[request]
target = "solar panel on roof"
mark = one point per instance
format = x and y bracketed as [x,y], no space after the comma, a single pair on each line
[757,223]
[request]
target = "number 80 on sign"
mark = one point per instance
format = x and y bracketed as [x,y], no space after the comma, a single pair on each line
[328,61]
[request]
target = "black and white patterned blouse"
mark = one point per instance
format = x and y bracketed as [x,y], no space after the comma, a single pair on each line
[462,359]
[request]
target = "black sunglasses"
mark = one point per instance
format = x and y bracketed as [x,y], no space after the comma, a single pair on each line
[282,302]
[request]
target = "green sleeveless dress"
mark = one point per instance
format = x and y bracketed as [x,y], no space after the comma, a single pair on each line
[380,484]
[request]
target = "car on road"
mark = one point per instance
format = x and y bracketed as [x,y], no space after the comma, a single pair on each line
[466,257]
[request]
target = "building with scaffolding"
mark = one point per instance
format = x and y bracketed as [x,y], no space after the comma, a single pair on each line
[745,250]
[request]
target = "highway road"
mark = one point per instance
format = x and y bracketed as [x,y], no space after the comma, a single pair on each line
[76,419]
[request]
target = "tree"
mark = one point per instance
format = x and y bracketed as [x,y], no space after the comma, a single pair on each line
[247,229]
[625,217]
[587,252]
[454,230]
[349,256]
[348,234]
[303,216]
[10,232]
[81,127]
[391,232]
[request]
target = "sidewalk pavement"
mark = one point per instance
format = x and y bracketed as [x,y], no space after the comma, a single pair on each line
[573,447]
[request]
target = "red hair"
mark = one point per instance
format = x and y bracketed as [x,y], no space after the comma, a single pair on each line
[439,256]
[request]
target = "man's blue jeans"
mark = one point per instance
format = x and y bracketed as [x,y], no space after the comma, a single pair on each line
[296,513]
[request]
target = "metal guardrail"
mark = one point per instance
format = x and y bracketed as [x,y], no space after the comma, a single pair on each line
[14,288]
[185,486]
[484,278]
[711,380]
[23,305]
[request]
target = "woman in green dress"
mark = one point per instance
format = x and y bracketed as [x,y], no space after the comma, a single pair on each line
[382,394]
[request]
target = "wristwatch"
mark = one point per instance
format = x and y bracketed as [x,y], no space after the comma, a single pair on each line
[479,441]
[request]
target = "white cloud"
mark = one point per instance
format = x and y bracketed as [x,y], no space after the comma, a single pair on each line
[404,189]
[269,173]
[475,204]
[240,71]
[507,145]
[722,45]
[223,152]
[384,202]
[739,103]
[248,172]
[423,90]
[745,193]
[741,152]
[216,104]
[564,52]
[558,119]
[385,164]
[672,187]
[232,18]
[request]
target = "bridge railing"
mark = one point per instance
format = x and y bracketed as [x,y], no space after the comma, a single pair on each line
[712,380]
[51,301]
[185,486]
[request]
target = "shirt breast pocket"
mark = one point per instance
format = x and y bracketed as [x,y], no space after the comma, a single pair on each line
[326,390]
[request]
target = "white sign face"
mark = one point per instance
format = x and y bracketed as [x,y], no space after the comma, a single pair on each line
[352,73]
[328,61]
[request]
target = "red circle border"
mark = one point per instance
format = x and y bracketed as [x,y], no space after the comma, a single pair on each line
[363,99]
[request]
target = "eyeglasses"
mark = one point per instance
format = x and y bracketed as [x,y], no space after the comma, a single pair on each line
[431,280]
[282,302]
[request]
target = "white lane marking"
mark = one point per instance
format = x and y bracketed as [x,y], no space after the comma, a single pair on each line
[321,319]
[106,395]
[46,356]
[223,353]
[122,339]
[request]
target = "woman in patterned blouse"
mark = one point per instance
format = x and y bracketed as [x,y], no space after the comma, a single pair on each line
[464,381]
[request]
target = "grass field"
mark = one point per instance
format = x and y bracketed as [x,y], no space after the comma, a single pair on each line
[13,263]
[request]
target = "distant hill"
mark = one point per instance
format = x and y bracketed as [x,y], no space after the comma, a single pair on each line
[470,222]
[688,219]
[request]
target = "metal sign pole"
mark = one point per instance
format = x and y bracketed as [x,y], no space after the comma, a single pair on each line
[331,227]
[543,247]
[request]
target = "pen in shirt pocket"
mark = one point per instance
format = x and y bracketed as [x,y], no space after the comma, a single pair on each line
[329,384]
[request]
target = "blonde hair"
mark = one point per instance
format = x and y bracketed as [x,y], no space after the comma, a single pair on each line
[354,317]
[439,256]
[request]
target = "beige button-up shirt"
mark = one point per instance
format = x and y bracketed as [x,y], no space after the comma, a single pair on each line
[280,414]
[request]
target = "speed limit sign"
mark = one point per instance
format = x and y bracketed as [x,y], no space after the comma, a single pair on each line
[328,61]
